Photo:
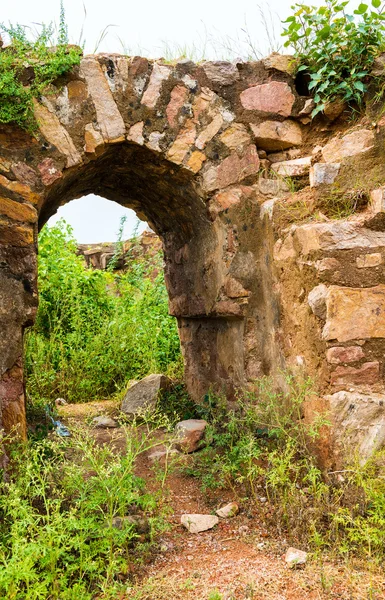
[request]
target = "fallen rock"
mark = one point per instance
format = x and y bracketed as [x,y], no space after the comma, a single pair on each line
[190,435]
[230,510]
[295,558]
[60,402]
[104,422]
[272,187]
[144,394]
[198,523]
[334,109]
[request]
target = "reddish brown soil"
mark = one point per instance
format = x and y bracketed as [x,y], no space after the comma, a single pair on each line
[239,559]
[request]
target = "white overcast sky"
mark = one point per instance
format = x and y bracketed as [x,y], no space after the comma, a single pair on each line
[148,27]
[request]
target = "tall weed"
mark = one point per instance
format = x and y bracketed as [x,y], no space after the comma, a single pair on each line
[95,330]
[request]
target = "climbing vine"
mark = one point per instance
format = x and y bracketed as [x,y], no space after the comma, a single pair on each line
[335,48]
[29,66]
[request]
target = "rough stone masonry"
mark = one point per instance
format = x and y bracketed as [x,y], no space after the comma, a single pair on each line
[205,153]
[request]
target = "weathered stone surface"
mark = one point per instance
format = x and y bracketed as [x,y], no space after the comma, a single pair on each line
[351,144]
[196,523]
[17,211]
[235,137]
[135,133]
[295,558]
[232,169]
[209,132]
[179,95]
[355,313]
[143,395]
[333,110]
[366,261]
[358,423]
[344,354]
[313,237]
[323,173]
[16,235]
[196,160]
[221,72]
[281,62]
[317,300]
[54,132]
[277,135]
[103,422]
[272,187]
[189,435]
[20,189]
[110,120]
[327,264]
[228,511]
[25,174]
[293,168]
[49,172]
[182,144]
[93,139]
[159,74]
[377,199]
[346,377]
[274,98]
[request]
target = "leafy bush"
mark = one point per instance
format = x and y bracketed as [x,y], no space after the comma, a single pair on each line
[62,528]
[336,49]
[96,330]
[28,67]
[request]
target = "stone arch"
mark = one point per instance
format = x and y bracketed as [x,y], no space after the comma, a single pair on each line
[174,144]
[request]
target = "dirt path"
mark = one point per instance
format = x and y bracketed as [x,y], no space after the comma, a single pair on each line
[239,559]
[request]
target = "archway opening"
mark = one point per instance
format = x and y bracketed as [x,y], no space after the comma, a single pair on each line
[103,319]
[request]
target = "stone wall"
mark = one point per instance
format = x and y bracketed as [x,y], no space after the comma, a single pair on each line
[224,162]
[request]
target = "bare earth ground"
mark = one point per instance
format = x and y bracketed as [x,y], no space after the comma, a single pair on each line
[239,558]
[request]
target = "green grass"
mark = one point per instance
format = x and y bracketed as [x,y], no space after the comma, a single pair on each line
[96,330]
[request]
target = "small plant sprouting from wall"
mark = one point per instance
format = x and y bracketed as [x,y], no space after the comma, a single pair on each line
[336,49]
[28,67]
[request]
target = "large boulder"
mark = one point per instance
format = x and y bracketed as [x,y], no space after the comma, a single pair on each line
[143,395]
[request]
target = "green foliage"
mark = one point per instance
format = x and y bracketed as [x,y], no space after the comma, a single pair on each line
[336,49]
[58,532]
[28,68]
[96,330]
[263,448]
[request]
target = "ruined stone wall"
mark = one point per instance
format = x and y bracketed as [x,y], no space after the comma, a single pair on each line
[224,162]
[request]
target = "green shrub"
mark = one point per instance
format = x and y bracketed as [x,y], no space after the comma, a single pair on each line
[263,448]
[59,536]
[96,330]
[336,49]
[28,67]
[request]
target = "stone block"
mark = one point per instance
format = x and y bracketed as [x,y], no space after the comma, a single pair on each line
[344,354]
[232,169]
[323,173]
[377,200]
[366,261]
[355,313]
[159,74]
[346,377]
[317,300]
[272,187]
[209,132]
[49,172]
[274,98]
[358,423]
[285,63]
[295,558]
[235,137]
[179,95]
[277,135]
[351,144]
[17,211]
[221,72]
[293,168]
